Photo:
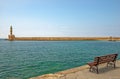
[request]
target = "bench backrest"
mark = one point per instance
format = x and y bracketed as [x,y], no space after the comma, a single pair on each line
[106,58]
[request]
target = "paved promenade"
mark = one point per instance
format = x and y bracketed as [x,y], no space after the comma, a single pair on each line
[83,73]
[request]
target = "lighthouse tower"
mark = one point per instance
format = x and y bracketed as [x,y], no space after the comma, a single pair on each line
[11,37]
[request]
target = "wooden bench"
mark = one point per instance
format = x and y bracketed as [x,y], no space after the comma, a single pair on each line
[109,59]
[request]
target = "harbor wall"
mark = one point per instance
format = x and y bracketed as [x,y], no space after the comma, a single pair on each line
[66,38]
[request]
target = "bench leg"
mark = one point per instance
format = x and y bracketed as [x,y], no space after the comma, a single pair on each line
[107,64]
[90,68]
[97,69]
[94,68]
[114,64]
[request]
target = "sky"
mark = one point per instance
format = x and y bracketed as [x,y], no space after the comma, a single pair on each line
[60,18]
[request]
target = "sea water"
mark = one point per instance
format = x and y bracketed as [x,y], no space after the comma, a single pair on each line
[25,59]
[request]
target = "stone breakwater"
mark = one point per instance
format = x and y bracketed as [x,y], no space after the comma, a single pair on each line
[12,37]
[64,38]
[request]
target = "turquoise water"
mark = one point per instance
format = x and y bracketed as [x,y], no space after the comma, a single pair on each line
[25,59]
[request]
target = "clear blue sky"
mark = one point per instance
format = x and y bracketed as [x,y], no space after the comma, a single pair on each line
[60,17]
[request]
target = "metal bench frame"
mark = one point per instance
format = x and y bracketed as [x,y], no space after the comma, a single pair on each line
[109,59]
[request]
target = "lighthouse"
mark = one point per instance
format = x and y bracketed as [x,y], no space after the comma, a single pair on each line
[11,37]
[10,30]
